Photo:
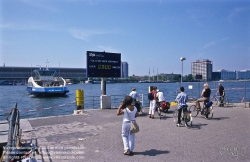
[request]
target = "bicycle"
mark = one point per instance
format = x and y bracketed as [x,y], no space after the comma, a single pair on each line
[216,100]
[186,116]
[207,110]
[139,107]
[162,106]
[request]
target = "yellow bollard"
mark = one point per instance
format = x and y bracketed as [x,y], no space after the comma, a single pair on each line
[79,99]
[150,88]
[173,103]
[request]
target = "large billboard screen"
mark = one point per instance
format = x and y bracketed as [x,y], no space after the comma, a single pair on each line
[103,64]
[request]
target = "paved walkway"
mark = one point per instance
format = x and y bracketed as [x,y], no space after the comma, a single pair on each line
[96,136]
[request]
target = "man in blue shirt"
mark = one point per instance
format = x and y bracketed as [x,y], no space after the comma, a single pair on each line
[182,99]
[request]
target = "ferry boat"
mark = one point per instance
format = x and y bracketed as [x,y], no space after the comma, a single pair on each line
[45,84]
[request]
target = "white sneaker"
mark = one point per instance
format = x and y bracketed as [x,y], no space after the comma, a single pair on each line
[179,124]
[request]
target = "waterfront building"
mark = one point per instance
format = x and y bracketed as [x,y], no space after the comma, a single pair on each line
[216,76]
[228,75]
[243,74]
[21,74]
[202,68]
[124,70]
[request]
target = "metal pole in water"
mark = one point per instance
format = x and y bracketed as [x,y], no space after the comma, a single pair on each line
[103,86]
[245,93]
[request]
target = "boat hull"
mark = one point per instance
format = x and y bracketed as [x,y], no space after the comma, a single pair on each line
[48,91]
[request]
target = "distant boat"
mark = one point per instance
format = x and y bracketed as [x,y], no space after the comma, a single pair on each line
[45,84]
[144,81]
[96,82]
[88,81]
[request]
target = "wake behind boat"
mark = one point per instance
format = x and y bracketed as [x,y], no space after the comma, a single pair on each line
[45,84]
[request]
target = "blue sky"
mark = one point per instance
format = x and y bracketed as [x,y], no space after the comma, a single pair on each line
[149,34]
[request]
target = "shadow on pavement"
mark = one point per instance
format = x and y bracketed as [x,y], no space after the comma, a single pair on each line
[170,112]
[163,117]
[221,118]
[197,126]
[152,152]
[143,114]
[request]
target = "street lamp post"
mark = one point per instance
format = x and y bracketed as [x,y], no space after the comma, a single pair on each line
[182,59]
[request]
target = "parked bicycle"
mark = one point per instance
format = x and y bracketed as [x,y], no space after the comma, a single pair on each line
[186,116]
[162,107]
[206,110]
[216,100]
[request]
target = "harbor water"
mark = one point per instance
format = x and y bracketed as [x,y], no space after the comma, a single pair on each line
[31,107]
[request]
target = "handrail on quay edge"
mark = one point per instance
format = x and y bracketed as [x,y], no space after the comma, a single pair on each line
[15,150]
[94,101]
[14,132]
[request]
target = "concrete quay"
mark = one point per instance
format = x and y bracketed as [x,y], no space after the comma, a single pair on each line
[95,136]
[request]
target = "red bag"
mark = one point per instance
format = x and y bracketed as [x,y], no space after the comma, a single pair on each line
[165,105]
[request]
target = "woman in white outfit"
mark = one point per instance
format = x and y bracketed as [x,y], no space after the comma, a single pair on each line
[128,138]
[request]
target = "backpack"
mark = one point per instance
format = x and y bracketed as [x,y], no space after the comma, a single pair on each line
[210,103]
[150,96]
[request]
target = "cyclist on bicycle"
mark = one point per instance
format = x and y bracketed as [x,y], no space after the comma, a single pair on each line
[182,99]
[205,96]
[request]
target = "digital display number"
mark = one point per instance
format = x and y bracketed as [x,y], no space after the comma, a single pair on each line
[104,67]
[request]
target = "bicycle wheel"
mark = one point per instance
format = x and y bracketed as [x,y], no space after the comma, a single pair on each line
[209,113]
[175,116]
[188,119]
[193,110]
[166,110]
[216,101]
[226,102]
[142,110]
[159,111]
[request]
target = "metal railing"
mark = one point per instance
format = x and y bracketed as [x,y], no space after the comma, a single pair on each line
[93,102]
[14,132]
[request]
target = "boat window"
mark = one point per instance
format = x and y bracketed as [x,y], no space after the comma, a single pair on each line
[46,73]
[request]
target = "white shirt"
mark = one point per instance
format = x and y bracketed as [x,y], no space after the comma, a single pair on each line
[160,96]
[134,95]
[131,114]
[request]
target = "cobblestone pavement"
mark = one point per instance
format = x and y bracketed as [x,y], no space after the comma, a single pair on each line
[96,136]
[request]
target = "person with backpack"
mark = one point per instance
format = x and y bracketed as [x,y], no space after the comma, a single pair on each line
[152,102]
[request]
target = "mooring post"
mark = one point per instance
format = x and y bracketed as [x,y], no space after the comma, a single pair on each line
[79,99]
[103,86]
